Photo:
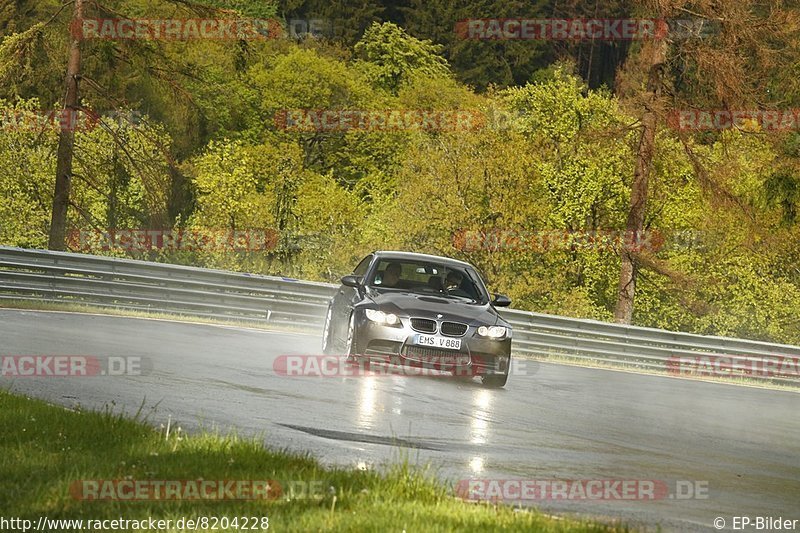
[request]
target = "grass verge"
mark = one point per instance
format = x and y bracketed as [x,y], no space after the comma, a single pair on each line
[45,449]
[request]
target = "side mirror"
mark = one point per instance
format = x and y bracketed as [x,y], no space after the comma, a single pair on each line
[352,281]
[501,300]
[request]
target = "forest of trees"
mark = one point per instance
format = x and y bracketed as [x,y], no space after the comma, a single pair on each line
[575,136]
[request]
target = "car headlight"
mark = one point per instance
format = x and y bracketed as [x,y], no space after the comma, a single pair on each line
[493,332]
[380,317]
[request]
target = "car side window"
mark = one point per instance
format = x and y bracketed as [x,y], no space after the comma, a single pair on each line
[363,266]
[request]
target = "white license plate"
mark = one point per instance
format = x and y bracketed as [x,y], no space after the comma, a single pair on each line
[439,342]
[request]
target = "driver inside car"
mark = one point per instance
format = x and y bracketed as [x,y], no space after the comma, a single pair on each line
[453,281]
[391,275]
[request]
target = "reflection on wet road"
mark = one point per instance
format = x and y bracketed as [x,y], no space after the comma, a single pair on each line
[559,423]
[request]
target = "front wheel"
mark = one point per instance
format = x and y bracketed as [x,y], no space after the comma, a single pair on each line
[326,333]
[351,344]
[495,381]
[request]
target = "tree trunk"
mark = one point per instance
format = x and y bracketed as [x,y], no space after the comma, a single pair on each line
[66,136]
[179,202]
[623,312]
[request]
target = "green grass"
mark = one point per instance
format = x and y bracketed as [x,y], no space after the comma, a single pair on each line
[44,449]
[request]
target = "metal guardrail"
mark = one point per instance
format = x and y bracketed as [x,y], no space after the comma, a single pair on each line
[174,289]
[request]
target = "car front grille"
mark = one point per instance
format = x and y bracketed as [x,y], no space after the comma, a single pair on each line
[423,325]
[430,355]
[454,329]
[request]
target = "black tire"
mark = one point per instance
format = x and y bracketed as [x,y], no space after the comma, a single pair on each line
[463,378]
[496,381]
[351,341]
[327,332]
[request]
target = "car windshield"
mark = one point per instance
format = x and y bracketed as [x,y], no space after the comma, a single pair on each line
[425,277]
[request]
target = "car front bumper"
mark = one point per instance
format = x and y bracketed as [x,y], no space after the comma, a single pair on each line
[477,356]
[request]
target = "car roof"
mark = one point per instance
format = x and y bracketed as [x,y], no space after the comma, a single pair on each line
[389,254]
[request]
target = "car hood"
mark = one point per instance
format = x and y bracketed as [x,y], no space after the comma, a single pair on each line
[428,306]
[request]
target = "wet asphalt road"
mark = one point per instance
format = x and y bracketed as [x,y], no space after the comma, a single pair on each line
[554,422]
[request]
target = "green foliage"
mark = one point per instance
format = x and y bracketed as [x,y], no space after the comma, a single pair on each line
[245,187]
[389,57]
[547,154]
[121,163]
[305,80]
[783,188]
[586,162]
[120,178]
[16,51]
[261,9]
[27,175]
[348,18]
